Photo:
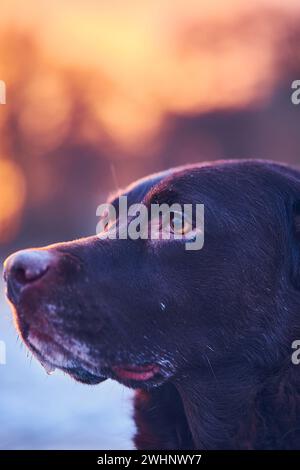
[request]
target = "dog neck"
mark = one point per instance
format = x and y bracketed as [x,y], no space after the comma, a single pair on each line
[253,411]
[160,420]
[215,409]
[201,412]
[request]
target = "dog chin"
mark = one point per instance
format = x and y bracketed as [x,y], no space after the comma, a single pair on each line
[58,360]
[83,376]
[75,370]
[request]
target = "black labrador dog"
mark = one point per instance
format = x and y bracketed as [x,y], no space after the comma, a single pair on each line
[205,337]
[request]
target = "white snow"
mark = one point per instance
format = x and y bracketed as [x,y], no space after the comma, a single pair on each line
[38,411]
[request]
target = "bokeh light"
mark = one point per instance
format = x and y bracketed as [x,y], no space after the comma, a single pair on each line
[12,187]
[137,86]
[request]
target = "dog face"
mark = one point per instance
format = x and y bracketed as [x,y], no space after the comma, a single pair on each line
[147,311]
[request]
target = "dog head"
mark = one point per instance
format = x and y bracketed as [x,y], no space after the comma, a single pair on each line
[146,311]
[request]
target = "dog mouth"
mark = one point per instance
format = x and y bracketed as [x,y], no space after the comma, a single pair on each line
[53,356]
[69,356]
[137,373]
[82,375]
[72,368]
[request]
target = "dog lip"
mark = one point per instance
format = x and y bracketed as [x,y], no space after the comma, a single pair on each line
[49,368]
[84,376]
[136,372]
[47,365]
[77,371]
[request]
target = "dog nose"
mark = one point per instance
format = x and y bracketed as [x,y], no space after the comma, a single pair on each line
[25,267]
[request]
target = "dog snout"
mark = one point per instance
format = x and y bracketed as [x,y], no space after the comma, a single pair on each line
[25,267]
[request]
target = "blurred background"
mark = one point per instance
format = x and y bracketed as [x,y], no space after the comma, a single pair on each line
[99,93]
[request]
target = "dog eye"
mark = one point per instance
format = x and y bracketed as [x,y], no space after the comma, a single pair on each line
[180,224]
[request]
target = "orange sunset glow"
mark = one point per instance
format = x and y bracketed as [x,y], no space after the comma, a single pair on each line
[105,78]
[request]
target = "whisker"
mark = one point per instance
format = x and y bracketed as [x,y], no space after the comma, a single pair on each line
[211,367]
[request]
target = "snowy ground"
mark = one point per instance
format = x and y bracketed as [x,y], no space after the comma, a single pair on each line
[54,412]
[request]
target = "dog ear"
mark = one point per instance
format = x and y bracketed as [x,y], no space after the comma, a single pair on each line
[296,244]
